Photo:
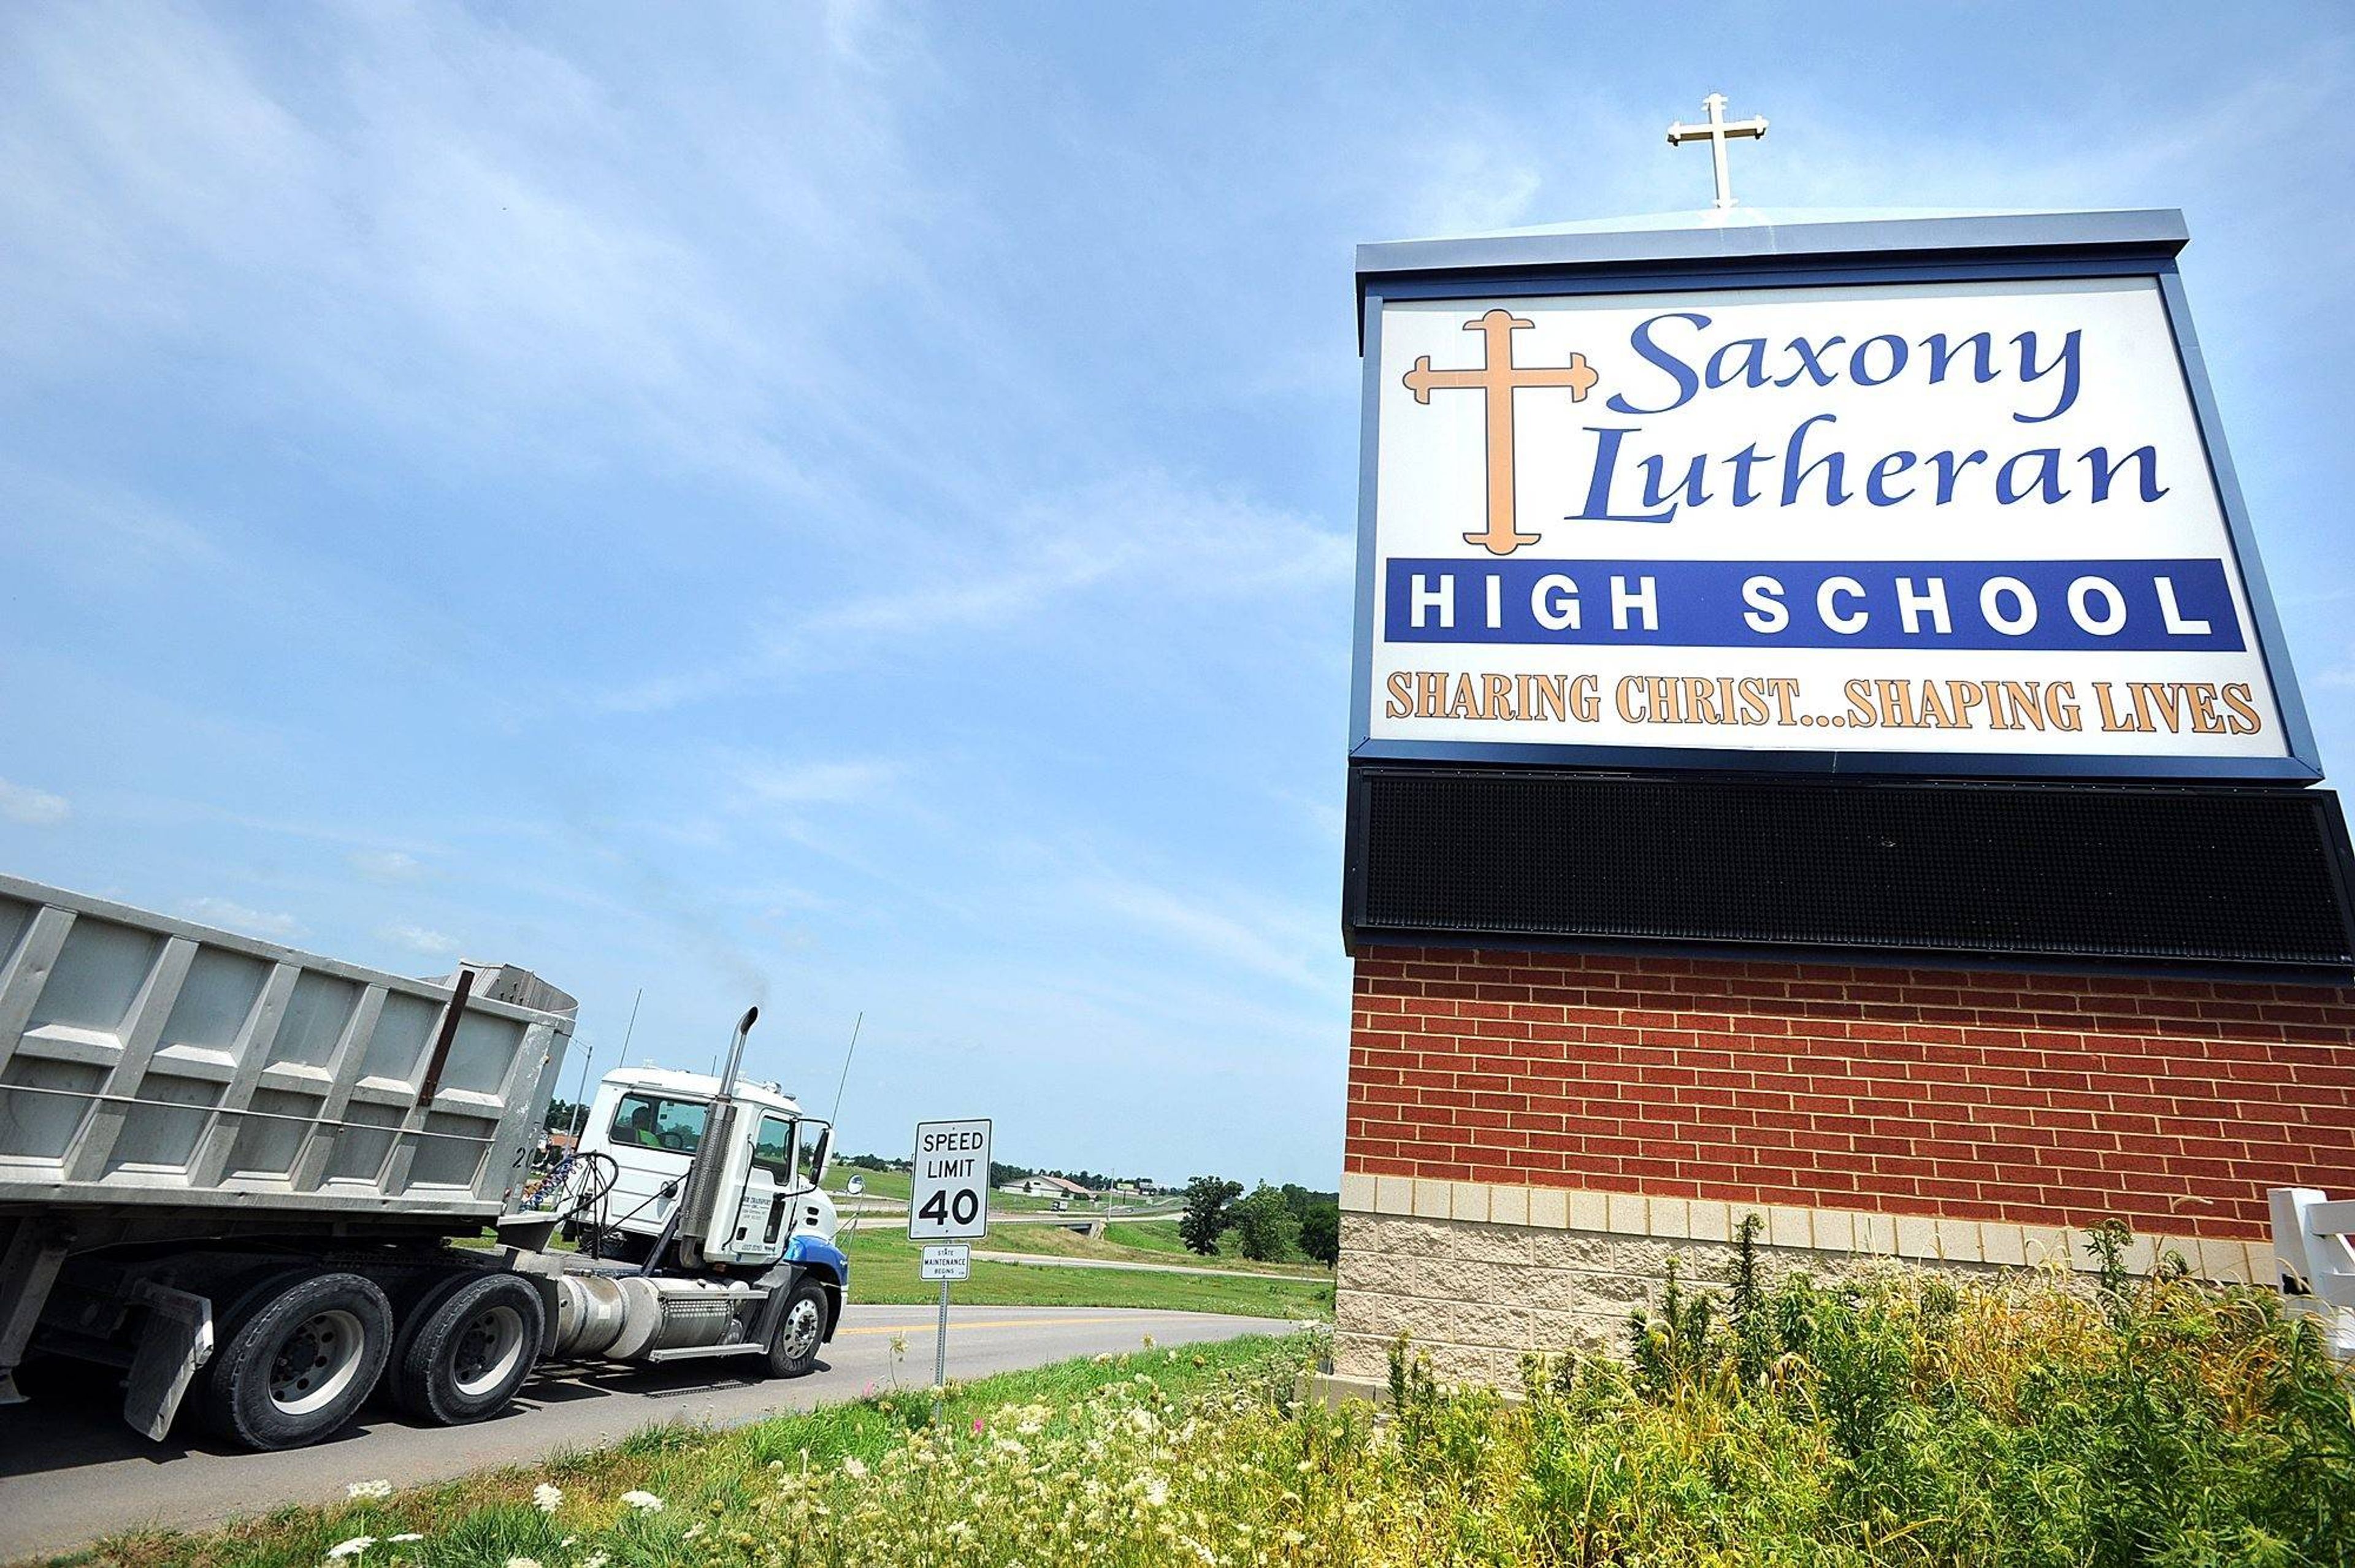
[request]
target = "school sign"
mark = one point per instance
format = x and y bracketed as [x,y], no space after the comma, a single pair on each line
[1969,515]
[1820,747]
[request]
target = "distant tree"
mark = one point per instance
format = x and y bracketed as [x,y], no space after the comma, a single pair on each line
[562,1117]
[1207,1199]
[1320,1231]
[1265,1228]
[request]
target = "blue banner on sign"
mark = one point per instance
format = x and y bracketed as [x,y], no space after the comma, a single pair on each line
[2121,606]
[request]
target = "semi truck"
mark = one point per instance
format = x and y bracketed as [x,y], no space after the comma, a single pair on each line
[236,1175]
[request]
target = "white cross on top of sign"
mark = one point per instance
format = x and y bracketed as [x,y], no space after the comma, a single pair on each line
[1716,133]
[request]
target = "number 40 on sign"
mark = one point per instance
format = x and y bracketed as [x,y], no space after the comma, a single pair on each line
[948,1198]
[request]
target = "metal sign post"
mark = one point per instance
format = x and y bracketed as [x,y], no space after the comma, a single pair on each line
[948,1200]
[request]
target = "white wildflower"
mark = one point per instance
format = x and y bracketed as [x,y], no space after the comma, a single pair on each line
[352,1548]
[644,1502]
[547,1499]
[368,1490]
[1156,1491]
[594,1560]
[523,1562]
[852,1468]
[405,1535]
[693,1531]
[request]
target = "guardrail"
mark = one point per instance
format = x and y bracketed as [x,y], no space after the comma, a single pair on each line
[2318,1265]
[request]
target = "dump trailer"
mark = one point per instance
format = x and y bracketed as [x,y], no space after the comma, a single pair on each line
[233,1172]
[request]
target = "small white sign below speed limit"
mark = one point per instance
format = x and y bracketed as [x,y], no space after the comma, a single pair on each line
[948,1198]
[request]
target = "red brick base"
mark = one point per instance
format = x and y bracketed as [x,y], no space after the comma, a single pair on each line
[2038,1099]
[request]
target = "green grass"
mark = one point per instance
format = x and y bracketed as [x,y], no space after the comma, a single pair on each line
[1898,1419]
[892,1184]
[1119,1244]
[716,1486]
[883,1269]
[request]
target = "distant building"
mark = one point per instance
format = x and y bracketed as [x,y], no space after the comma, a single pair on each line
[1046,1187]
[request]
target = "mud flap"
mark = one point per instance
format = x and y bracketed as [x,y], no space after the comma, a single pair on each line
[178,1340]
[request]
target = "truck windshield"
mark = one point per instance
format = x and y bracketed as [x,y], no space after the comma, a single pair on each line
[650,1121]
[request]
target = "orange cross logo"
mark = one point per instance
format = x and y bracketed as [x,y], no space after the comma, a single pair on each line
[1500,378]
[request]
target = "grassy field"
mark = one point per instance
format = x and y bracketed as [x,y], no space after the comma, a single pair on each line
[1903,1419]
[717,1491]
[1136,1241]
[883,1269]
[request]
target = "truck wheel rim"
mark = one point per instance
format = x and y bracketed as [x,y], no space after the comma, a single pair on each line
[800,1330]
[317,1362]
[487,1349]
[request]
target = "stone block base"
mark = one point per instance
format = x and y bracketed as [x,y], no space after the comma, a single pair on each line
[1476,1294]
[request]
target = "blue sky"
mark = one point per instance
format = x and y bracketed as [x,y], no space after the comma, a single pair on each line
[850,508]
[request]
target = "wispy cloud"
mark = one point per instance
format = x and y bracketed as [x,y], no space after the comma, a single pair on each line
[772,783]
[233,916]
[32,807]
[1147,533]
[419,939]
[1237,928]
[386,865]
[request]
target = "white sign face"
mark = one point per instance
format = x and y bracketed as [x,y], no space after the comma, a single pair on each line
[948,1198]
[949,1260]
[1954,518]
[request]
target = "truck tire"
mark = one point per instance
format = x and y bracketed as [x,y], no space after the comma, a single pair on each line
[801,1328]
[468,1349]
[309,1351]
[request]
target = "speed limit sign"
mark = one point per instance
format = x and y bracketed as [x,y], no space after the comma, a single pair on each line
[948,1198]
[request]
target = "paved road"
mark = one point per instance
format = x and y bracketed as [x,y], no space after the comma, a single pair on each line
[70,1471]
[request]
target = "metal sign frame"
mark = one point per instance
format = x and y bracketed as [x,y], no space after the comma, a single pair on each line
[1589,261]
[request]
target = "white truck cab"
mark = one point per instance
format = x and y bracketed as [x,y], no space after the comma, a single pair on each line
[651,1122]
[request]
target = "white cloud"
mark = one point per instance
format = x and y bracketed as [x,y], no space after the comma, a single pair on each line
[429,179]
[233,916]
[1145,533]
[1267,940]
[32,807]
[1470,184]
[781,783]
[386,865]
[420,939]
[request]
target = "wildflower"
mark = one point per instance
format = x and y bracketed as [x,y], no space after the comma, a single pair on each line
[547,1499]
[852,1468]
[523,1562]
[644,1502]
[369,1489]
[976,1426]
[405,1535]
[1156,1491]
[594,1560]
[693,1531]
[352,1548]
